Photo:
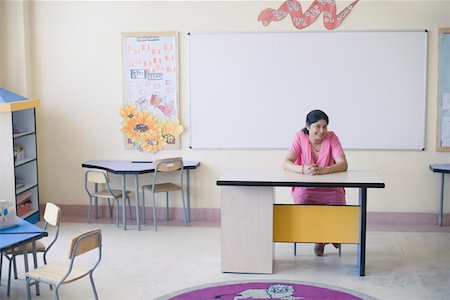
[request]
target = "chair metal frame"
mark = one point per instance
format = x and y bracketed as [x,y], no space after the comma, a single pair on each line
[165,165]
[81,244]
[99,176]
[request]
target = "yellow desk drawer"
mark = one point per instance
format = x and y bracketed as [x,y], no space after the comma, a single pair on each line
[316,223]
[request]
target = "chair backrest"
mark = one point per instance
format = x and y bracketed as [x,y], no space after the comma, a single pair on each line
[169,164]
[97,176]
[52,214]
[85,242]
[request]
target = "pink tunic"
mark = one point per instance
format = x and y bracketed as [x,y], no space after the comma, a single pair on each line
[330,150]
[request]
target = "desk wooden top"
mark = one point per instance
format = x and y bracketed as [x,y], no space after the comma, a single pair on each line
[264,177]
[440,168]
[130,167]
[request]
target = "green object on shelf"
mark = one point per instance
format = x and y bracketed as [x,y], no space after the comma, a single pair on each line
[19,152]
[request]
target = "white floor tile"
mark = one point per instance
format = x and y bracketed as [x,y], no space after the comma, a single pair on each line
[149,264]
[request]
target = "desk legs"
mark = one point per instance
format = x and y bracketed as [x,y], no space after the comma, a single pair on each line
[35,265]
[362,231]
[247,229]
[136,186]
[188,193]
[124,203]
[441,205]
[25,260]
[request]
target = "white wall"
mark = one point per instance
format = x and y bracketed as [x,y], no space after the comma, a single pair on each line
[76,63]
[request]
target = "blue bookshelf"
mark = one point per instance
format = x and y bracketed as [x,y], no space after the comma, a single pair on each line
[18,154]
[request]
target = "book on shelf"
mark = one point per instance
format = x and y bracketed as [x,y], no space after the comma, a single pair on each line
[23,203]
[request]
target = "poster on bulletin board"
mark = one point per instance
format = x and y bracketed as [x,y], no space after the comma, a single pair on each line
[150,115]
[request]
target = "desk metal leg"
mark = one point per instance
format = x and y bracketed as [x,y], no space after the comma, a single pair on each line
[136,186]
[441,205]
[362,232]
[25,260]
[35,265]
[124,203]
[188,193]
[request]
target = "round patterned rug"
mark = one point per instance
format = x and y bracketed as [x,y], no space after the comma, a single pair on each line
[286,290]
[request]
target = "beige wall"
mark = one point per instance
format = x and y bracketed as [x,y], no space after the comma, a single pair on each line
[2,40]
[76,72]
[14,52]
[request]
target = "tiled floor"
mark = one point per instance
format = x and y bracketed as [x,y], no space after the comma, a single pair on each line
[149,264]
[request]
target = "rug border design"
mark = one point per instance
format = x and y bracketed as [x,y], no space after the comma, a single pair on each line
[223,283]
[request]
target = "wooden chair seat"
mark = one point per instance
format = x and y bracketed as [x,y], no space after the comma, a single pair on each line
[107,194]
[162,187]
[40,247]
[53,272]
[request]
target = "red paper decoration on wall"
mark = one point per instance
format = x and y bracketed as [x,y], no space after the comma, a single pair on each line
[301,20]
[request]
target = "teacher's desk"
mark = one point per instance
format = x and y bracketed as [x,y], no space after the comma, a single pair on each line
[251,223]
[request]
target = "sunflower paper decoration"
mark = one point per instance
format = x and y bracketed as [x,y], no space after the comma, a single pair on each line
[148,132]
[171,130]
[152,141]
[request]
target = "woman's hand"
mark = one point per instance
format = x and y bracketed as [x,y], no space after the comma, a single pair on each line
[289,164]
[310,169]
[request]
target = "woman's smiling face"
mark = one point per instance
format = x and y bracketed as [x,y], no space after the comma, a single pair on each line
[317,130]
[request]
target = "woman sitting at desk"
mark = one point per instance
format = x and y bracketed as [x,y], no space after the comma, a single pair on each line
[316,151]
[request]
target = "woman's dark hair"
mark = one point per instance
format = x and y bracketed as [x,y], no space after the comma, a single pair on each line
[313,117]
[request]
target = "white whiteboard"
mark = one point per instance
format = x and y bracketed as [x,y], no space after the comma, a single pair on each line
[253,90]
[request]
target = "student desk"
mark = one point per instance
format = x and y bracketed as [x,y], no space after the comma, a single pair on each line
[251,223]
[443,169]
[136,168]
[20,236]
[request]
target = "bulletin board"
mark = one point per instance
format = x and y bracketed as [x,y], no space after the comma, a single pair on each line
[443,126]
[253,90]
[150,79]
